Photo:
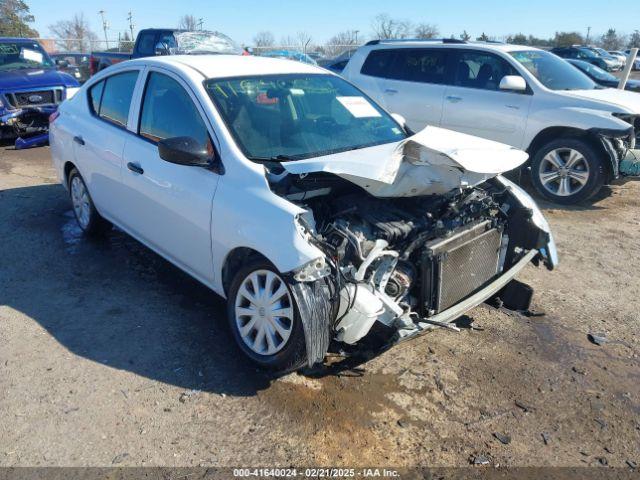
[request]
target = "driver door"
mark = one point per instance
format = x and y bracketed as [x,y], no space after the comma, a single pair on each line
[168,205]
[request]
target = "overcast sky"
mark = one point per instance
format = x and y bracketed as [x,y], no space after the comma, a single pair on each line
[323,18]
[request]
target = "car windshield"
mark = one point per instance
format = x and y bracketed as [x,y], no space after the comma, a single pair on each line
[18,55]
[296,116]
[205,42]
[552,71]
[597,72]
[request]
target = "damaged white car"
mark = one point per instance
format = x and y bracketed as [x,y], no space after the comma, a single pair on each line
[288,191]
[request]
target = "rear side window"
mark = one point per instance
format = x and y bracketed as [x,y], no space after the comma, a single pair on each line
[95,96]
[111,98]
[168,111]
[379,63]
[420,65]
[146,44]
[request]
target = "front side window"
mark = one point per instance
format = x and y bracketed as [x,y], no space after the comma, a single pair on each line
[552,71]
[295,116]
[146,43]
[481,70]
[379,63]
[168,111]
[115,97]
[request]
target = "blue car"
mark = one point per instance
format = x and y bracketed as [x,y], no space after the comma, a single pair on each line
[31,88]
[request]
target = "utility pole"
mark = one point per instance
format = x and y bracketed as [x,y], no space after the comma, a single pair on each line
[105,27]
[131,25]
[356,32]
[588,34]
[200,22]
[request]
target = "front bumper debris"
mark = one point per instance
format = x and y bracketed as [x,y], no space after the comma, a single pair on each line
[630,165]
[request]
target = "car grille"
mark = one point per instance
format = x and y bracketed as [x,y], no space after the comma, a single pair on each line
[457,266]
[35,98]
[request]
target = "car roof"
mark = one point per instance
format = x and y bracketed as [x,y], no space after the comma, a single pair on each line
[452,43]
[225,66]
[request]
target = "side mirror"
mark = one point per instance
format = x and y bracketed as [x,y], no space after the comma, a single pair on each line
[184,151]
[513,83]
[161,49]
[62,63]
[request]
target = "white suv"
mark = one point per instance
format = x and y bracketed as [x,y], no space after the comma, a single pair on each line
[575,132]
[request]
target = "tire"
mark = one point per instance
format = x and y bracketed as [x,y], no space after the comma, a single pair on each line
[568,171]
[88,218]
[282,347]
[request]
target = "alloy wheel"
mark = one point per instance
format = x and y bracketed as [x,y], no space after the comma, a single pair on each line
[564,172]
[80,201]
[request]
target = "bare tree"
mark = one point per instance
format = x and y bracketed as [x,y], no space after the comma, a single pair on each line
[483,38]
[426,30]
[611,40]
[188,22]
[634,40]
[264,39]
[385,27]
[340,42]
[465,36]
[73,35]
[303,41]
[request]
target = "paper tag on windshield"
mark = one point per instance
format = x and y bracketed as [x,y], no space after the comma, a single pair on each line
[359,107]
[31,55]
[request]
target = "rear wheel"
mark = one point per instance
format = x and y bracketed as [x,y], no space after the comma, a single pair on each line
[84,210]
[264,318]
[567,171]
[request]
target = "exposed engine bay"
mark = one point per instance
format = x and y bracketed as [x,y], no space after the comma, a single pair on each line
[402,261]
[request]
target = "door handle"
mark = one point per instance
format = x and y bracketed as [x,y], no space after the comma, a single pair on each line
[135,168]
[391,91]
[453,98]
[513,107]
[78,139]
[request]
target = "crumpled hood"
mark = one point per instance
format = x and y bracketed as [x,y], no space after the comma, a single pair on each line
[23,79]
[623,98]
[433,161]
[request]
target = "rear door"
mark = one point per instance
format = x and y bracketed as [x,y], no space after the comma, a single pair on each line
[474,103]
[99,139]
[169,205]
[416,84]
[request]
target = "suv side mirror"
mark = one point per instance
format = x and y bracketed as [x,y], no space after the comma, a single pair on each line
[187,151]
[513,83]
[162,49]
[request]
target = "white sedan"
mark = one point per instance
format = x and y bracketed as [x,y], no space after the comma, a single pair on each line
[289,192]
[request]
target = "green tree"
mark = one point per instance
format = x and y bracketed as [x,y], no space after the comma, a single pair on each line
[634,40]
[483,38]
[611,40]
[465,36]
[566,39]
[517,39]
[15,18]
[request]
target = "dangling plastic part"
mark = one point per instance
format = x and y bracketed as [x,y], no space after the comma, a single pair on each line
[30,142]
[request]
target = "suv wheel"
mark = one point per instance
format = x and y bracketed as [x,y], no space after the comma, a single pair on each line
[264,318]
[567,171]
[84,210]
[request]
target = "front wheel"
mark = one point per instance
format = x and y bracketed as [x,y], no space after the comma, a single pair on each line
[264,318]
[567,171]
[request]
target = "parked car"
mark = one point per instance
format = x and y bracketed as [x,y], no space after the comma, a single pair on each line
[162,41]
[575,133]
[588,55]
[619,55]
[636,63]
[289,55]
[75,64]
[602,77]
[315,221]
[30,87]
[618,62]
[338,63]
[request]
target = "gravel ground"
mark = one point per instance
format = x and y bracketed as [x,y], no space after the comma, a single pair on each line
[109,355]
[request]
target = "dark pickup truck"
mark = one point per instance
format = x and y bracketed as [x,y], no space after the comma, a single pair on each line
[165,41]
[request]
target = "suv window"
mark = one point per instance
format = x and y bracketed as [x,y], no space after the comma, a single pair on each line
[475,69]
[420,65]
[146,43]
[168,111]
[110,99]
[379,63]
